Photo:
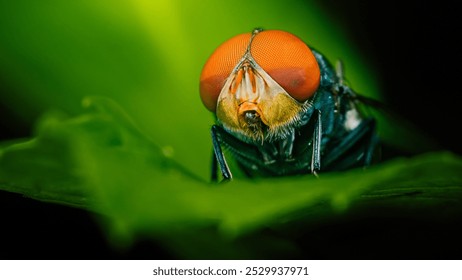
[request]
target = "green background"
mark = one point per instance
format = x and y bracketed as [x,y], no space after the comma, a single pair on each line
[111,89]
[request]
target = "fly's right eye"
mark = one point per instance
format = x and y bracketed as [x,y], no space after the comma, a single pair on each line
[219,66]
[286,58]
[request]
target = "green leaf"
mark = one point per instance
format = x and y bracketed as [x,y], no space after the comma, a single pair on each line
[100,161]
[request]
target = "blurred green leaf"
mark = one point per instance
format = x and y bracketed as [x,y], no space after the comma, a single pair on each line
[100,161]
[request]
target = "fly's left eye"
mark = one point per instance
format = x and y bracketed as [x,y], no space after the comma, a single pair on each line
[289,61]
[286,58]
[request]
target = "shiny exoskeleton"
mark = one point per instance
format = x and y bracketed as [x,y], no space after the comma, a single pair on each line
[283,118]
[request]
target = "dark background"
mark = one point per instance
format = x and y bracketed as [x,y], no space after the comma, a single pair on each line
[413,45]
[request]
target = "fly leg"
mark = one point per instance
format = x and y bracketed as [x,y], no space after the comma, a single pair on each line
[214,176]
[219,158]
[373,141]
[316,154]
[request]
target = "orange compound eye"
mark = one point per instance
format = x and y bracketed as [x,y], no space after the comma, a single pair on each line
[219,66]
[289,61]
[285,57]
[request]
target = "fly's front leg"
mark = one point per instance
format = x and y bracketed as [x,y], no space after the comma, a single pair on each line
[316,154]
[214,176]
[219,158]
[286,146]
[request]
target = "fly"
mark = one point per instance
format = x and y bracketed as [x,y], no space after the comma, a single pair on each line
[281,109]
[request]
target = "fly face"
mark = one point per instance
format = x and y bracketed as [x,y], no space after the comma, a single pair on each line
[281,108]
[259,84]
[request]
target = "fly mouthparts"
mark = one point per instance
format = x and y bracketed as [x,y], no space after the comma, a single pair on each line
[252,117]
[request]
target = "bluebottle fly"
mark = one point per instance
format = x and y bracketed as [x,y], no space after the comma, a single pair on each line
[282,109]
